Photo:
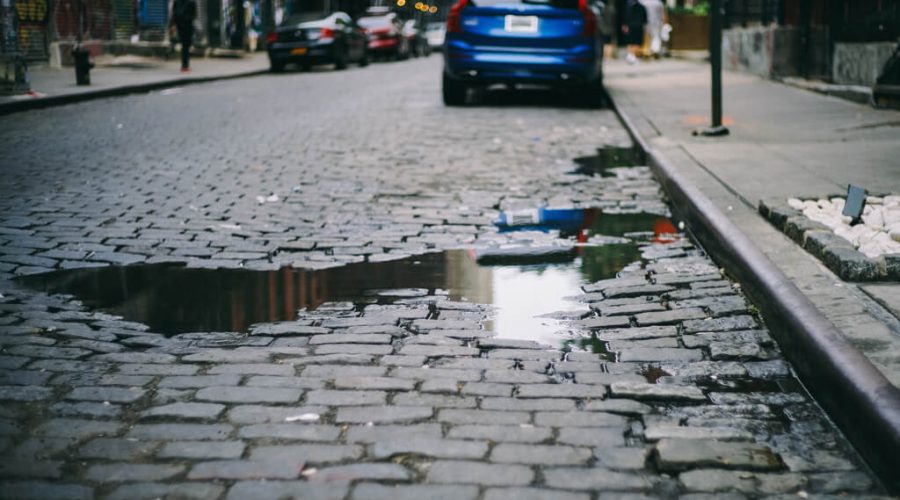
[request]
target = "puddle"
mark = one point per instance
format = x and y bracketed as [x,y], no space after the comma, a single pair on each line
[521,284]
[607,158]
[591,344]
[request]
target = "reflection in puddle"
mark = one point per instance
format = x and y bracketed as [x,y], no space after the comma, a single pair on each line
[607,158]
[590,344]
[172,299]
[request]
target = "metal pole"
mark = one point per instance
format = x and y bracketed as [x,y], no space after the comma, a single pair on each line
[715,59]
[805,32]
[715,56]
[79,33]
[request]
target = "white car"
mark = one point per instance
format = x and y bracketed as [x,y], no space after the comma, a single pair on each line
[434,33]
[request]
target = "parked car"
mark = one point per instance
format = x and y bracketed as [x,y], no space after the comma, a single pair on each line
[418,45]
[317,38]
[434,33]
[550,42]
[378,10]
[386,39]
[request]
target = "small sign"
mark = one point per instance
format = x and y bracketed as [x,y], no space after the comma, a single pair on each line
[856,201]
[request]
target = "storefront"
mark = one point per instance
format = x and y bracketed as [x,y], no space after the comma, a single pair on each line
[153,17]
[25,25]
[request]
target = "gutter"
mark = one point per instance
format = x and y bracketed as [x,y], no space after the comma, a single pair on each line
[862,402]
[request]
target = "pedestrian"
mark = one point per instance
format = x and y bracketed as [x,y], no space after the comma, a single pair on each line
[633,21]
[656,19]
[184,12]
[608,28]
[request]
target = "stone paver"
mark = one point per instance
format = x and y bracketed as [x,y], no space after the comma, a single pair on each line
[206,450]
[164,490]
[596,479]
[245,469]
[132,472]
[354,472]
[679,454]
[437,448]
[479,473]
[277,490]
[374,491]
[186,411]
[539,454]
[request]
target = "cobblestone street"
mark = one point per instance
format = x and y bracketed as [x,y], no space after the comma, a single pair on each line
[684,395]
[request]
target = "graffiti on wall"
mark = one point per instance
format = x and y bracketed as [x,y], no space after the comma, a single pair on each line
[31,26]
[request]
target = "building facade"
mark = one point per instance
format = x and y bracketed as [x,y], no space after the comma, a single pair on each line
[840,41]
[46,30]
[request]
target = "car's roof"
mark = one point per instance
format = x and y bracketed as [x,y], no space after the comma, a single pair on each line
[312,18]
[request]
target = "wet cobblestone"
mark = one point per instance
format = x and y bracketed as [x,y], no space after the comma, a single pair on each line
[414,399]
[493,425]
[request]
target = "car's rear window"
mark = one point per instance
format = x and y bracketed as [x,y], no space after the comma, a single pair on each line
[559,4]
[303,17]
[374,22]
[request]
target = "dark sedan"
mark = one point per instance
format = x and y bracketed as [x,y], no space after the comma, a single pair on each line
[317,38]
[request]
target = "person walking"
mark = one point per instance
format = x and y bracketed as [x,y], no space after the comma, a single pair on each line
[184,12]
[633,21]
[652,46]
[608,27]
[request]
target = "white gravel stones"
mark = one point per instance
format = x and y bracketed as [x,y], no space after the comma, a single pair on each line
[879,232]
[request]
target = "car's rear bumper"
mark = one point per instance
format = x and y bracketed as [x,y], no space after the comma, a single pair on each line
[575,65]
[313,53]
[384,45]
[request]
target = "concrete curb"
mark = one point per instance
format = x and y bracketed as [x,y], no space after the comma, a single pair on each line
[854,93]
[863,403]
[59,100]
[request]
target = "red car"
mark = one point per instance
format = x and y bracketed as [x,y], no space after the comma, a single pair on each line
[386,38]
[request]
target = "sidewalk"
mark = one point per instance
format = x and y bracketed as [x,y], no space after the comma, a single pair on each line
[784,143]
[127,74]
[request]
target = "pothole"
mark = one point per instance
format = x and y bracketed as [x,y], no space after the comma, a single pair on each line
[529,287]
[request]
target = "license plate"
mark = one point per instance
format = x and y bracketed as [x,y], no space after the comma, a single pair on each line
[299,51]
[521,24]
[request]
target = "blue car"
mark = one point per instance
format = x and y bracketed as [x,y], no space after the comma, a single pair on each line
[554,43]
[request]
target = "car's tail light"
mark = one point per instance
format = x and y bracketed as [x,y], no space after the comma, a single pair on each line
[589,28]
[272,37]
[454,25]
[326,33]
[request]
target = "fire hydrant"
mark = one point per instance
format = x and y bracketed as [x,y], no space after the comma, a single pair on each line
[83,65]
